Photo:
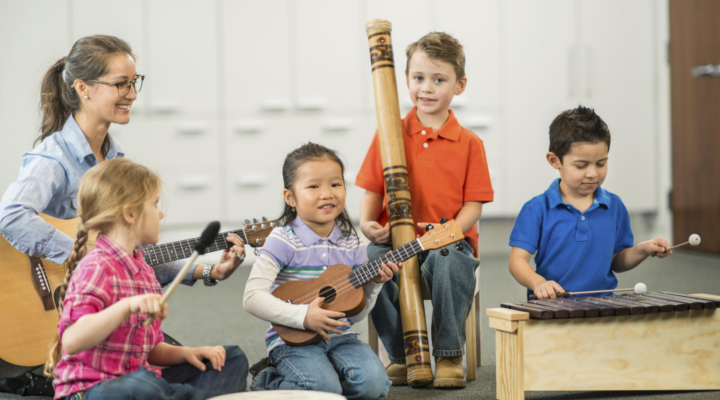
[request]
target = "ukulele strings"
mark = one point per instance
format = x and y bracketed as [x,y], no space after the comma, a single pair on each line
[309,298]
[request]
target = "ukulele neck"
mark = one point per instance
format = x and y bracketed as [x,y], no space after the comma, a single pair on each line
[365,273]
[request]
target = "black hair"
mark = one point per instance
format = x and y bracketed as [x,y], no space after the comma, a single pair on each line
[578,125]
[310,152]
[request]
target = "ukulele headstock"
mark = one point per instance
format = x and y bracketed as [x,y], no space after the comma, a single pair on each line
[442,235]
[257,231]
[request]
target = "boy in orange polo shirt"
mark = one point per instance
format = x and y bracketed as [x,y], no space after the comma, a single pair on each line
[448,178]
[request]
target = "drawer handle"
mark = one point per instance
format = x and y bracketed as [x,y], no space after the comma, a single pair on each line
[706,70]
[337,124]
[194,183]
[311,104]
[192,128]
[250,126]
[274,104]
[250,181]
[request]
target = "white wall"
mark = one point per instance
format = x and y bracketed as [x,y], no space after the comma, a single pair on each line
[232,86]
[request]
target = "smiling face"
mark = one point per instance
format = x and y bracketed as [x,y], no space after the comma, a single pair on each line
[583,168]
[318,194]
[103,102]
[432,84]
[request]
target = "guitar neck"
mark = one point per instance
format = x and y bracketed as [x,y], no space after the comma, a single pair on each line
[169,252]
[365,273]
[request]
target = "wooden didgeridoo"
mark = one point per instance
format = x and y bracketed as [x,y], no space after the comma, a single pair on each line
[392,149]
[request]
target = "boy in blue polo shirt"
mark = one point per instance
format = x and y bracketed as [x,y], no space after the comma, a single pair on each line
[580,231]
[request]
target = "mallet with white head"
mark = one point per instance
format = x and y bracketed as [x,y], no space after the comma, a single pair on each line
[694,240]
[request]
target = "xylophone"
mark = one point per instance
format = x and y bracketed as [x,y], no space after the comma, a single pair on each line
[652,341]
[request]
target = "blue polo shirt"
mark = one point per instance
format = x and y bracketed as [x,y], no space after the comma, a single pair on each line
[574,249]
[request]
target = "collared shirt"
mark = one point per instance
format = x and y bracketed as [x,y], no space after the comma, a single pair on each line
[446,168]
[300,254]
[48,182]
[574,249]
[106,275]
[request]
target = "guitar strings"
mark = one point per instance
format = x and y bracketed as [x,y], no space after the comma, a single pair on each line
[309,298]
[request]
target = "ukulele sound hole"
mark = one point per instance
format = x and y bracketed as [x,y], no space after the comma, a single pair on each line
[328,293]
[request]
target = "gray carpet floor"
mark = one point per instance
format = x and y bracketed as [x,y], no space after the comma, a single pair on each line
[203,316]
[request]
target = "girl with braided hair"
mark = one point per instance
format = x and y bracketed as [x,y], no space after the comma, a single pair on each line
[102,350]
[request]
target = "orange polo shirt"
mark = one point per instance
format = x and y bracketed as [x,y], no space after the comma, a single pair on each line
[446,168]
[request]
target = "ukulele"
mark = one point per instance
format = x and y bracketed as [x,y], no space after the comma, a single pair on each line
[341,286]
[28,314]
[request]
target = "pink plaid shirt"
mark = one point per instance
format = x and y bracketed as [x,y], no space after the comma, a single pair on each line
[104,276]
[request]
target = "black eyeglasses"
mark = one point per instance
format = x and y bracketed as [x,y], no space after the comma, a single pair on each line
[123,87]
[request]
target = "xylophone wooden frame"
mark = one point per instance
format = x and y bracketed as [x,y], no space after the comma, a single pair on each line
[664,351]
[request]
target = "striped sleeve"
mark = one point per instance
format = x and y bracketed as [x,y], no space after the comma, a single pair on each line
[279,246]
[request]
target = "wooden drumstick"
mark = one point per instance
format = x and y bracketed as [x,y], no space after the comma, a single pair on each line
[640,288]
[206,239]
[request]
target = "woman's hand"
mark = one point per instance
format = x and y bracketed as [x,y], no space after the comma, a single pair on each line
[322,321]
[197,355]
[386,272]
[229,261]
[148,304]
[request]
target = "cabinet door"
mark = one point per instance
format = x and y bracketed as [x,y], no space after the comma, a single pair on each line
[407,27]
[191,195]
[619,81]
[91,17]
[541,54]
[257,55]
[476,24]
[182,57]
[31,40]
[329,44]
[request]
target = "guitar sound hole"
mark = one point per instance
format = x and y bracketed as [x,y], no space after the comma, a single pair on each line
[328,293]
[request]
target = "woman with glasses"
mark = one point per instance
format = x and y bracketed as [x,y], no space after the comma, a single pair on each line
[81,96]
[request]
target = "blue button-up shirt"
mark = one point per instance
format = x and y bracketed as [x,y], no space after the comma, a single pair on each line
[574,249]
[48,182]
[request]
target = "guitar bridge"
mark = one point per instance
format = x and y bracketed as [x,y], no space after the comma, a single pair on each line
[41,283]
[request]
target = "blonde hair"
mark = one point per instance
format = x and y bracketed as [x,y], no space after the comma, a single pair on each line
[439,46]
[104,191]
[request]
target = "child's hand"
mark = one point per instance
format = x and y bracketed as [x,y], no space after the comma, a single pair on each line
[323,321]
[375,232]
[386,272]
[147,304]
[655,247]
[547,290]
[215,354]
[229,261]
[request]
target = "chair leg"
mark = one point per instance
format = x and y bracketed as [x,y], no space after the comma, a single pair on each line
[372,336]
[478,330]
[470,340]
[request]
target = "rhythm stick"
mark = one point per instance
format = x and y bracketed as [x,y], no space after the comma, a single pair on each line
[206,239]
[694,240]
[640,288]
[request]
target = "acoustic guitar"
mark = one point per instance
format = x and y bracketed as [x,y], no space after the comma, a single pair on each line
[341,286]
[28,314]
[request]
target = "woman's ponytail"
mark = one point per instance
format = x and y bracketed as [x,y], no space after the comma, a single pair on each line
[53,100]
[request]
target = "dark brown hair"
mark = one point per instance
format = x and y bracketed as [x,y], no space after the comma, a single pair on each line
[88,60]
[310,152]
[104,191]
[439,46]
[579,125]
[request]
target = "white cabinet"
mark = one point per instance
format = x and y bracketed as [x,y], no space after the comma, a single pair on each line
[330,54]
[182,57]
[257,56]
[597,53]
[32,39]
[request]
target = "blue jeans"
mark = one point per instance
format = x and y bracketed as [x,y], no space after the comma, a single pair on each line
[182,381]
[451,282]
[343,365]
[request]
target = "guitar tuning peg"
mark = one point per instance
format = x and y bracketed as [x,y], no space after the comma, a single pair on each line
[443,220]
[246,222]
[257,252]
[429,227]
[444,252]
[459,246]
[255,220]
[264,219]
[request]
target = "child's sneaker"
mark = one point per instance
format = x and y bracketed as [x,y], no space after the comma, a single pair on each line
[260,365]
[449,372]
[397,373]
